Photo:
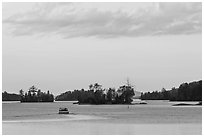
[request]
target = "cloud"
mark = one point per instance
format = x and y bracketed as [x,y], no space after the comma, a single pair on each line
[71,20]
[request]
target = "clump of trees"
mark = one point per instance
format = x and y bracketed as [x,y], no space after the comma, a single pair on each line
[36,95]
[97,95]
[186,92]
[10,97]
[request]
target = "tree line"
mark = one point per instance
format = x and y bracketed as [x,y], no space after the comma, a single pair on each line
[186,92]
[98,95]
[10,97]
[35,95]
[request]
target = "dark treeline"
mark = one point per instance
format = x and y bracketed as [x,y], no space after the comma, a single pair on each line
[35,95]
[10,97]
[97,95]
[186,92]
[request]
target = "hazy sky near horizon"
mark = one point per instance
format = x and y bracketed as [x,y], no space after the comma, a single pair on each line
[66,46]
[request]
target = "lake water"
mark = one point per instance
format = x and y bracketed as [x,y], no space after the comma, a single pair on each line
[155,117]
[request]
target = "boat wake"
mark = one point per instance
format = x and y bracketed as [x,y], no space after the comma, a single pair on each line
[71,117]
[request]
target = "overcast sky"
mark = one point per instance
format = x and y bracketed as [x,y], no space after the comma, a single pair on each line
[66,46]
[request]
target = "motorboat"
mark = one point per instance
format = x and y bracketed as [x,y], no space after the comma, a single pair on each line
[63,111]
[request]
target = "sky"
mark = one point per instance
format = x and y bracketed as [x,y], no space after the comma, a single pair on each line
[66,46]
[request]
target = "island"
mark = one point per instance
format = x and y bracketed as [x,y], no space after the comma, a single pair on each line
[98,95]
[36,95]
[188,104]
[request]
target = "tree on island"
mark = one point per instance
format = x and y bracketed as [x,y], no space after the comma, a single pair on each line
[127,93]
[98,95]
[111,95]
[35,95]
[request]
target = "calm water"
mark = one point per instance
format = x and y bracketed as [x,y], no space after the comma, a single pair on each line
[156,117]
